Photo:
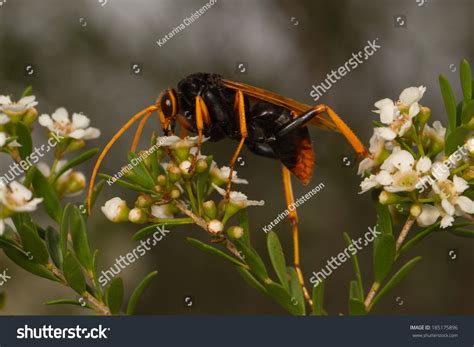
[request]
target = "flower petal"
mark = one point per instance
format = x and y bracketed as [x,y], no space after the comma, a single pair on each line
[79,121]
[466,204]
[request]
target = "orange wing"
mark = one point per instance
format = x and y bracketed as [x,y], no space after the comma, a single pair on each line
[297,107]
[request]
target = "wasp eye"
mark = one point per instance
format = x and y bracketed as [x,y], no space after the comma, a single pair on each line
[168,104]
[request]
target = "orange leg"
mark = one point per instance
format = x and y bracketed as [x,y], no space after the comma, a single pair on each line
[346,131]
[290,201]
[202,116]
[109,145]
[240,106]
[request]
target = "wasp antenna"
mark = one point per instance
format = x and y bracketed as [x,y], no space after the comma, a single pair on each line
[138,133]
[102,155]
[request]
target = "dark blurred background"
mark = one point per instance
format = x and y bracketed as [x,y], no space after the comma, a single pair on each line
[82,53]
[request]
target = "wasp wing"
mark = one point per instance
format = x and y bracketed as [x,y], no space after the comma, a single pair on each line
[297,107]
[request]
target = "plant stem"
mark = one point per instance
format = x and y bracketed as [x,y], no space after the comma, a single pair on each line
[376,286]
[403,234]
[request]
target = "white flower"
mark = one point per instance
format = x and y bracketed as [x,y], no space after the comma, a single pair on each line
[388,111]
[19,107]
[116,210]
[423,165]
[376,149]
[429,215]
[161,211]
[436,133]
[215,227]
[238,199]
[383,178]
[452,202]
[3,139]
[399,160]
[18,198]
[410,97]
[222,175]
[77,129]
[71,183]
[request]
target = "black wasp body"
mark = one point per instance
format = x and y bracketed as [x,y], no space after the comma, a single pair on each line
[264,119]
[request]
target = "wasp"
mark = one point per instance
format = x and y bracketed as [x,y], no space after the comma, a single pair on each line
[268,124]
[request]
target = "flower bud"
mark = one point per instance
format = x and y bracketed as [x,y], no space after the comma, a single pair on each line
[215,227]
[387,198]
[201,166]
[144,201]
[30,116]
[174,173]
[185,167]
[137,216]
[235,232]
[161,180]
[210,209]
[423,116]
[75,183]
[158,189]
[415,210]
[468,174]
[75,145]
[175,193]
[116,210]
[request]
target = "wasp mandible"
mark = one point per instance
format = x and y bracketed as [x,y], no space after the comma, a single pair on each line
[270,125]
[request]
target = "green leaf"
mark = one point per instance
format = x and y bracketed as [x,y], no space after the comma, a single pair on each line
[244,224]
[463,232]
[277,258]
[95,193]
[457,138]
[24,139]
[467,111]
[137,293]
[156,168]
[281,296]
[400,275]
[202,182]
[76,161]
[355,263]
[29,176]
[449,103]
[356,300]
[64,227]
[166,223]
[142,175]
[250,279]
[33,244]
[126,184]
[73,273]
[356,308]
[213,250]
[21,259]
[54,247]
[296,291]
[318,299]
[466,79]
[50,198]
[67,302]
[253,260]
[384,256]
[384,219]
[27,92]
[114,295]
[80,240]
